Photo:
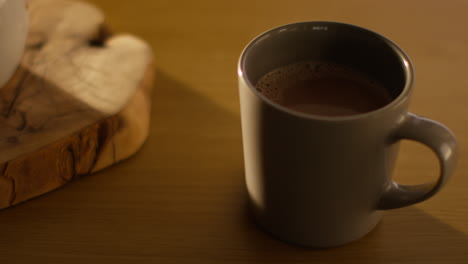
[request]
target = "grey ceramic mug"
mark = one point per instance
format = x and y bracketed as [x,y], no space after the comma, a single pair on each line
[324,181]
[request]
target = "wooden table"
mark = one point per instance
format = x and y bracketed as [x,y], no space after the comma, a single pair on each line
[182,199]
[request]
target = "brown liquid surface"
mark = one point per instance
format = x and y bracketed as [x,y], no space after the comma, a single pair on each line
[326,89]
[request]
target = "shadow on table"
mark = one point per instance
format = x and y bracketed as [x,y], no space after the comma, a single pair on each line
[407,235]
[170,199]
[167,204]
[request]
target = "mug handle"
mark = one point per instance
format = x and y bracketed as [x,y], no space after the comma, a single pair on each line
[437,137]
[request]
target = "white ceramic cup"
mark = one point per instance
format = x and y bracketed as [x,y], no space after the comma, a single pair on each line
[13,32]
[323,181]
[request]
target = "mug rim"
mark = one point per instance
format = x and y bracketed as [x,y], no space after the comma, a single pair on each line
[405,63]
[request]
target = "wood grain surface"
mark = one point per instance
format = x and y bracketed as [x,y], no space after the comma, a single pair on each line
[181,199]
[72,107]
